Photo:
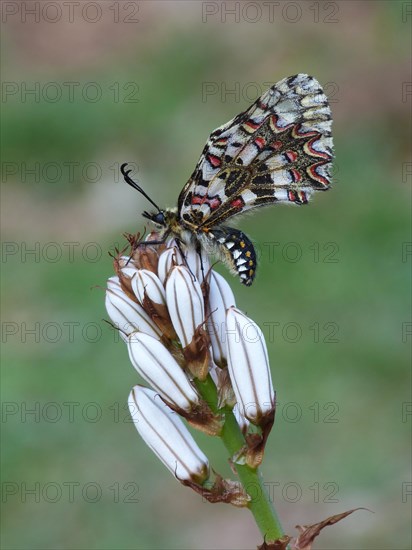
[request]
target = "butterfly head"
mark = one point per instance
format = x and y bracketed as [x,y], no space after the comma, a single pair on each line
[158,219]
[163,220]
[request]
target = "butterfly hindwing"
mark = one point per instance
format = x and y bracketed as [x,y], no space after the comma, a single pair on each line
[279,150]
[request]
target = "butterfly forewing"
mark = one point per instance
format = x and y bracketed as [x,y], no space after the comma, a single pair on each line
[278,150]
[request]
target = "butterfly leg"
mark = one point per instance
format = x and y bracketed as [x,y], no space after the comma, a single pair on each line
[199,252]
[179,247]
[146,243]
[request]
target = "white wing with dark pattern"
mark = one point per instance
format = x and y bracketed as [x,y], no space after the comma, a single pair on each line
[278,150]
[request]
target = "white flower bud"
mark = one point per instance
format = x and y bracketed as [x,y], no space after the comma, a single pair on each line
[248,364]
[172,256]
[113,283]
[167,436]
[159,368]
[167,259]
[126,314]
[185,302]
[130,271]
[220,299]
[146,282]
[195,264]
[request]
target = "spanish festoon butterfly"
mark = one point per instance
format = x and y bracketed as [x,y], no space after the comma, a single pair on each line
[279,150]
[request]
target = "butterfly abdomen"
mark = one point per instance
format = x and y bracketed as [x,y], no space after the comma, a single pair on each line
[235,249]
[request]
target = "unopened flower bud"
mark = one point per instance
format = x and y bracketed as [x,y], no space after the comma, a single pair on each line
[174,256]
[167,436]
[146,284]
[220,299]
[113,283]
[148,289]
[130,270]
[146,257]
[195,263]
[128,316]
[168,259]
[126,271]
[159,368]
[185,302]
[249,367]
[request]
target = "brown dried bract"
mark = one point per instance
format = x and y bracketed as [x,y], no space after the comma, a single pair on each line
[256,442]
[197,354]
[223,490]
[307,534]
[125,281]
[160,315]
[202,418]
[280,544]
[142,255]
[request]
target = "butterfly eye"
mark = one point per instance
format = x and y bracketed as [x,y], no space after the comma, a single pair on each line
[159,218]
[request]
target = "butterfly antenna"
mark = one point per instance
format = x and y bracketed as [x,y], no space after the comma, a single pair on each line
[133,184]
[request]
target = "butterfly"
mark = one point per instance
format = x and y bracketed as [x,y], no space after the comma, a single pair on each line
[279,150]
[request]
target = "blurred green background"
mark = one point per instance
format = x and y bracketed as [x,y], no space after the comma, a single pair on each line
[146,82]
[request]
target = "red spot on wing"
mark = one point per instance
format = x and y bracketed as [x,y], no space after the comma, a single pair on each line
[297,176]
[312,171]
[291,156]
[214,161]
[299,133]
[214,203]
[220,142]
[302,196]
[260,142]
[315,152]
[238,203]
[274,123]
[250,126]
[297,196]
[276,145]
[197,200]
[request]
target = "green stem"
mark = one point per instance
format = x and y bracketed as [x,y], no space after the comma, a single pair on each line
[251,479]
